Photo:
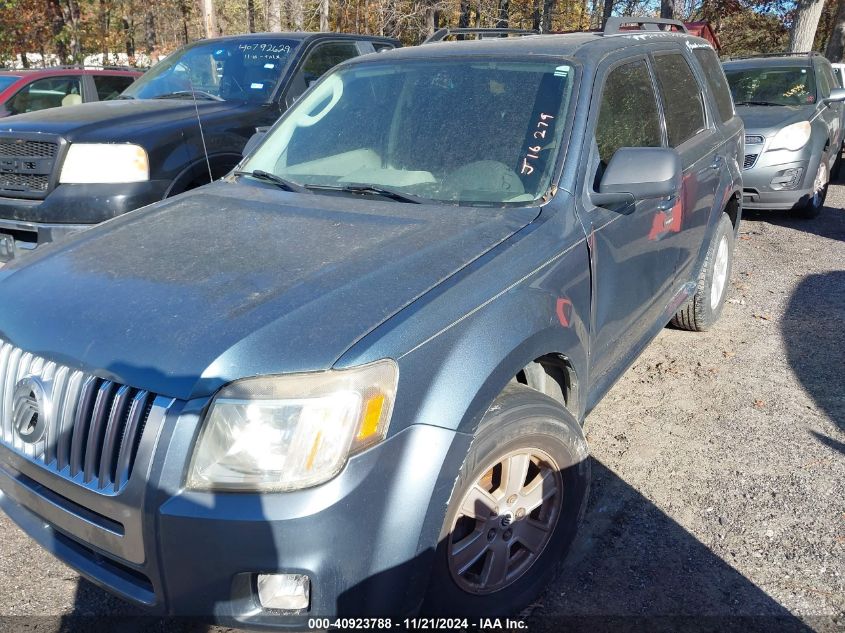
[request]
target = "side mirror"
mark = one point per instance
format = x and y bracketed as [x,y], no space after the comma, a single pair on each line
[639,173]
[837,95]
[255,139]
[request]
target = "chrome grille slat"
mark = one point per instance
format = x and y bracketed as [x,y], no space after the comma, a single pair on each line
[67,417]
[114,428]
[60,381]
[131,434]
[82,422]
[97,429]
[94,425]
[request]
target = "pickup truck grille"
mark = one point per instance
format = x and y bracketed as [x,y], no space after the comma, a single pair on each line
[26,166]
[77,425]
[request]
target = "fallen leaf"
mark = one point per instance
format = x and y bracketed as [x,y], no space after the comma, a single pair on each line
[759,403]
[728,354]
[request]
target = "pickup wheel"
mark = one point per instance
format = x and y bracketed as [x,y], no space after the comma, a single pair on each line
[514,509]
[702,311]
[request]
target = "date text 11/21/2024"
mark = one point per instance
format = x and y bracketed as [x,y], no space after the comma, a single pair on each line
[419,624]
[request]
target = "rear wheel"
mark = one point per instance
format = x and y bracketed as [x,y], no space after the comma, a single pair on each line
[702,311]
[514,509]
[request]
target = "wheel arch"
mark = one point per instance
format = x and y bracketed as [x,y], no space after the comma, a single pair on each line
[195,174]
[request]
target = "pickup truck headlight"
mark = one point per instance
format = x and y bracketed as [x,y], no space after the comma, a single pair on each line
[105,163]
[792,137]
[278,433]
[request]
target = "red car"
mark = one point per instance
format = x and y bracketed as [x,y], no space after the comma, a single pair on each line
[30,90]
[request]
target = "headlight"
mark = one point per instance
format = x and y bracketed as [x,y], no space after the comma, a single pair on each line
[792,137]
[290,432]
[105,163]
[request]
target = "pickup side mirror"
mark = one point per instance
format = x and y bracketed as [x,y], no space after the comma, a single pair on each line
[837,95]
[639,173]
[255,139]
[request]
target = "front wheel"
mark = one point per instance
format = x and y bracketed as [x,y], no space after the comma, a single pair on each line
[812,207]
[514,510]
[702,311]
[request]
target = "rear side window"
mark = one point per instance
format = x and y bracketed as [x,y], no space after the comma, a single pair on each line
[715,77]
[628,114]
[681,97]
[110,87]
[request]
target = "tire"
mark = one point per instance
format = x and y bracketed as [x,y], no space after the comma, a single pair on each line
[702,311]
[521,422]
[811,208]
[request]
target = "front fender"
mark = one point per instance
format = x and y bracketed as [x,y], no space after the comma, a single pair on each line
[458,346]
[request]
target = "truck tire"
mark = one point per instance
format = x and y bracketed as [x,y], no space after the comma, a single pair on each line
[702,311]
[514,509]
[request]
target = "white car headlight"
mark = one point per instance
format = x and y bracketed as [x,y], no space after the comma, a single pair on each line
[279,433]
[105,163]
[792,137]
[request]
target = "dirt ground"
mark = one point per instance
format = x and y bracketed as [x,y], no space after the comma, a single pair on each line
[718,499]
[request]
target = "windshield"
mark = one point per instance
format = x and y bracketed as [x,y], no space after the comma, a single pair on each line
[6,81]
[229,71]
[457,131]
[772,85]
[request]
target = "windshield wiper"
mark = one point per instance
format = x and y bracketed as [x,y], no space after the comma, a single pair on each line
[199,94]
[762,103]
[398,196]
[266,176]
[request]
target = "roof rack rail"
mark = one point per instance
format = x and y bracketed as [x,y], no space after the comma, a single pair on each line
[441,34]
[797,54]
[616,25]
[88,67]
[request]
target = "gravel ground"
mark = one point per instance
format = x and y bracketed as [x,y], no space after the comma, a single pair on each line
[719,476]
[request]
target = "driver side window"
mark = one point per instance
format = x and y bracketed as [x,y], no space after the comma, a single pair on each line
[319,61]
[628,115]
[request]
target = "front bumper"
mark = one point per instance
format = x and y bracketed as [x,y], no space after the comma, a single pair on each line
[365,538]
[757,189]
[70,208]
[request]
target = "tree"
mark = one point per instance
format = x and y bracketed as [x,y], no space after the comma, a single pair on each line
[836,43]
[209,19]
[324,15]
[274,16]
[804,25]
[667,9]
[250,15]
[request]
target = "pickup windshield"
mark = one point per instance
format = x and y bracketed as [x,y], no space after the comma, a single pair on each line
[247,70]
[772,85]
[450,131]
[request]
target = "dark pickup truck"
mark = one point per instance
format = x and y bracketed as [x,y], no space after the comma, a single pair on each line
[66,169]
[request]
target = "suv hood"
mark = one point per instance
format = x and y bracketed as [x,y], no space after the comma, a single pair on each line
[767,120]
[108,121]
[234,280]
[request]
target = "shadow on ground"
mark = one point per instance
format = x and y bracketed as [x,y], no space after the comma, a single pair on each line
[813,331]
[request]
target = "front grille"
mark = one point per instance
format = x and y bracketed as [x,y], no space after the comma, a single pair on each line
[24,182]
[749,161]
[753,139]
[26,166]
[28,149]
[91,427]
